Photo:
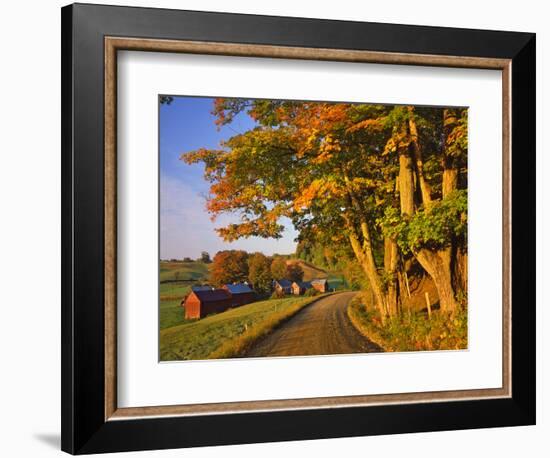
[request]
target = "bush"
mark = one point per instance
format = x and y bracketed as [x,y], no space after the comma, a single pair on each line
[311,292]
[277,294]
[416,332]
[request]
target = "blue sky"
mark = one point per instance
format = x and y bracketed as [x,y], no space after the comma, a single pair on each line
[185,227]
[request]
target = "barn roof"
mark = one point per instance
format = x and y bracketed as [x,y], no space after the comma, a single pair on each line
[303,284]
[213,295]
[196,288]
[284,283]
[239,288]
[320,281]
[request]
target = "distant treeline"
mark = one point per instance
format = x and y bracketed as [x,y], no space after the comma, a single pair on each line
[204,257]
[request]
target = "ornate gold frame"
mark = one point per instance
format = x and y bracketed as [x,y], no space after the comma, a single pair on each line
[114,44]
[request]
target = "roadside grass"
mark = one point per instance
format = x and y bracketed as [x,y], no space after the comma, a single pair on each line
[410,332]
[228,334]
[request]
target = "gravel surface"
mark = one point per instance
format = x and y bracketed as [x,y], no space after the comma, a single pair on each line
[322,328]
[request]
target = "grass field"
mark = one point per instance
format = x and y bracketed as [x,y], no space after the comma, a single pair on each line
[170,313]
[227,334]
[194,271]
[176,279]
[175,290]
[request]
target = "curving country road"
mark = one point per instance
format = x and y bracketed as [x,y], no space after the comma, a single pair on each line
[322,328]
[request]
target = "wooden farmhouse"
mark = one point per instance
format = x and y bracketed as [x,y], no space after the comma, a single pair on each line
[241,293]
[321,285]
[300,287]
[282,286]
[199,304]
[201,288]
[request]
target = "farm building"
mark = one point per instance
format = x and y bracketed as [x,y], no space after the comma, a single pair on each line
[321,285]
[282,286]
[202,288]
[199,304]
[241,293]
[300,287]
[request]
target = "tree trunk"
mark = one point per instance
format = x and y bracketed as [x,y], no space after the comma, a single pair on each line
[405,293]
[460,268]
[449,184]
[425,190]
[364,251]
[390,266]
[450,180]
[450,170]
[406,184]
[435,263]
[365,256]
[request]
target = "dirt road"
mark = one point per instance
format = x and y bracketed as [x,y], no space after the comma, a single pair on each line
[322,328]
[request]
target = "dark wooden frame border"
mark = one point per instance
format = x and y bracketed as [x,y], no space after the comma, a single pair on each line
[91,35]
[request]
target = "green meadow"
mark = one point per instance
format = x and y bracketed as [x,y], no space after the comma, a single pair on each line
[183,271]
[176,279]
[228,334]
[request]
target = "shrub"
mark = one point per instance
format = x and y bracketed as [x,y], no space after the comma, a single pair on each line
[277,294]
[412,333]
[311,292]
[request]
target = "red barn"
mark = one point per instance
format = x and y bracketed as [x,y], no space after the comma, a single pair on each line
[282,286]
[242,293]
[300,287]
[321,285]
[199,304]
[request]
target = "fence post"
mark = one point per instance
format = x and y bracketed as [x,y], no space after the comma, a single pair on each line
[428,304]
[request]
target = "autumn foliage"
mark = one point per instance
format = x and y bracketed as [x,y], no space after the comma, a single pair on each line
[386,185]
[259,272]
[278,268]
[294,272]
[230,266]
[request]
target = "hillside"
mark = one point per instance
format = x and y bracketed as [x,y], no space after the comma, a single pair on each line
[310,271]
[195,271]
[176,279]
[335,278]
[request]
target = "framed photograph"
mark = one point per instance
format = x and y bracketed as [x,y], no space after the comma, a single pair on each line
[281,228]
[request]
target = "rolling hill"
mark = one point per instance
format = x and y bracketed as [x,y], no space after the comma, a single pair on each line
[183,271]
[335,278]
[310,271]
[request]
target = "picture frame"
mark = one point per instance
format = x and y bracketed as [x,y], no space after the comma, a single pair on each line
[92,35]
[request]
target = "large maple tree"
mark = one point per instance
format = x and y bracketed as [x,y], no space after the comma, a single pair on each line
[387,182]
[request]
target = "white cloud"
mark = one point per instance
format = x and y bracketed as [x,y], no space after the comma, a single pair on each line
[186,228]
